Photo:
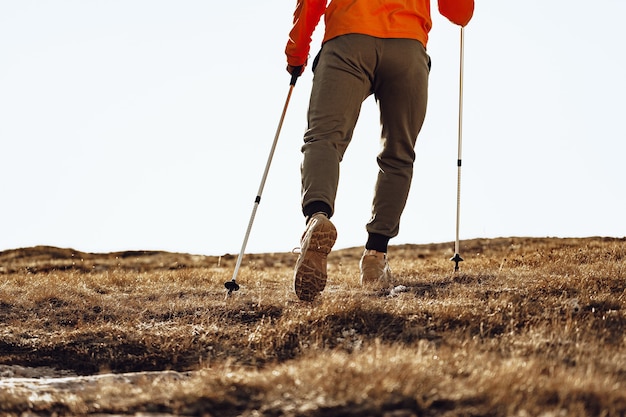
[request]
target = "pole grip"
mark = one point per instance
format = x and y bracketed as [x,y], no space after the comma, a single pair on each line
[295,73]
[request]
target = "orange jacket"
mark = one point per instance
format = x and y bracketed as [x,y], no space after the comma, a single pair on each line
[380,18]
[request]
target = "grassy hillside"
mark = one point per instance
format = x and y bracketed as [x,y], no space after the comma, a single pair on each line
[527,327]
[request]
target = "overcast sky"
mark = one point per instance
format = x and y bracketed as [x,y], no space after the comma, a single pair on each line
[146,124]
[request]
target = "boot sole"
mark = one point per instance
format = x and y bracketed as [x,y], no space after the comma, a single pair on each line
[310,273]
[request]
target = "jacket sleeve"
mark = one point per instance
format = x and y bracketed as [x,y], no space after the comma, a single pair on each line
[305,19]
[459,12]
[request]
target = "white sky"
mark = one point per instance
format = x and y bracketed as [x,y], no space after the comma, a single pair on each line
[146,124]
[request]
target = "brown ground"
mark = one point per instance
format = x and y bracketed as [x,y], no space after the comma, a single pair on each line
[528,327]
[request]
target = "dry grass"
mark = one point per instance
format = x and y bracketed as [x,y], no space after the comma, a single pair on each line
[529,327]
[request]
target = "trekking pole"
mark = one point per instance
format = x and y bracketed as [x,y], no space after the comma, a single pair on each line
[457,252]
[232,284]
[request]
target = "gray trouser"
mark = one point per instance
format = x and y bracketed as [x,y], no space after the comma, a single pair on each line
[350,68]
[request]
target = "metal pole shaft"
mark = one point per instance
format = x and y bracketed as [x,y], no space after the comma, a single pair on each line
[457,251]
[257,200]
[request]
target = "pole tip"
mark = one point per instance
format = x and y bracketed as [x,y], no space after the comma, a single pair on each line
[456,259]
[231,286]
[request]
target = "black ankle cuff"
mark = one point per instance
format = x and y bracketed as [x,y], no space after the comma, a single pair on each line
[317,207]
[377,242]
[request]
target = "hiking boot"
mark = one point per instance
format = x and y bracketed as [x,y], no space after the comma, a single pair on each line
[310,272]
[374,267]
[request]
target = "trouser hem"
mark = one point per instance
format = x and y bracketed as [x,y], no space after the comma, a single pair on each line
[317,207]
[377,242]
